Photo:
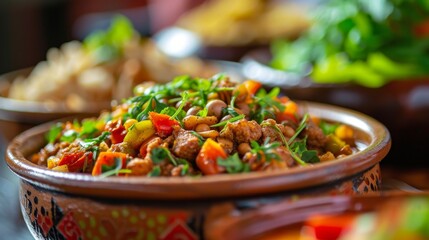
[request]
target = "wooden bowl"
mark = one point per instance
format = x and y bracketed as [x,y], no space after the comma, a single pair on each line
[66,204]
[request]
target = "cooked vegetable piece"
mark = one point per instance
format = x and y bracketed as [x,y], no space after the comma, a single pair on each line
[106,160]
[208,155]
[162,123]
[139,132]
[76,161]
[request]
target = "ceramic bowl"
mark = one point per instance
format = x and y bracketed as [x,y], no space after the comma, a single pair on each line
[283,220]
[402,105]
[71,206]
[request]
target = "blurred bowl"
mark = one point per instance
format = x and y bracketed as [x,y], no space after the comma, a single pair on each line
[284,220]
[56,204]
[17,115]
[402,106]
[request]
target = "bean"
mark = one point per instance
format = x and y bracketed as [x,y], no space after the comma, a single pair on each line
[209,134]
[243,148]
[193,111]
[202,127]
[214,107]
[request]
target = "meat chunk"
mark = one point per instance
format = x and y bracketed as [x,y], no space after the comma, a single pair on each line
[242,131]
[315,137]
[185,145]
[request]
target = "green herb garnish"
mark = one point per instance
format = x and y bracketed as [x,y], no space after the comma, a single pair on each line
[233,164]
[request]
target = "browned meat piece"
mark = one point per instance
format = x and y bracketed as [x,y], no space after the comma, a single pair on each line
[226,144]
[185,145]
[315,137]
[269,132]
[242,131]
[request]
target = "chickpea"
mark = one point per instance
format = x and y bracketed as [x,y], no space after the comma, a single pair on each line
[209,134]
[215,107]
[202,127]
[243,148]
[193,111]
[190,122]
[288,131]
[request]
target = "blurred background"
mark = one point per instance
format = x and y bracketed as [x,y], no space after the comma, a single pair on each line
[256,39]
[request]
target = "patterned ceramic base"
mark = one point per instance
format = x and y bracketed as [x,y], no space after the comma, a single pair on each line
[51,215]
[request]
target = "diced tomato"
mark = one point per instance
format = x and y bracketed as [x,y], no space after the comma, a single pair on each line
[117,131]
[163,123]
[207,157]
[76,161]
[108,159]
[330,227]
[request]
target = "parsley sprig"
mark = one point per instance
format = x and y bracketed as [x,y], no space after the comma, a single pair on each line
[265,151]
[233,164]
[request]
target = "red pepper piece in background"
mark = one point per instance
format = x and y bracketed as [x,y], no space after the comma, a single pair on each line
[330,227]
[163,123]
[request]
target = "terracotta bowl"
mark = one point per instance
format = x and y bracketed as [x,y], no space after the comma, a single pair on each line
[283,220]
[68,205]
[402,105]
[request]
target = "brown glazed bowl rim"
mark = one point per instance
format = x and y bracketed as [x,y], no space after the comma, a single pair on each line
[248,184]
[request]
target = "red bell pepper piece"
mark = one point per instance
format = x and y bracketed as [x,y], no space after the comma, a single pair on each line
[108,159]
[76,161]
[117,130]
[163,123]
[207,157]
